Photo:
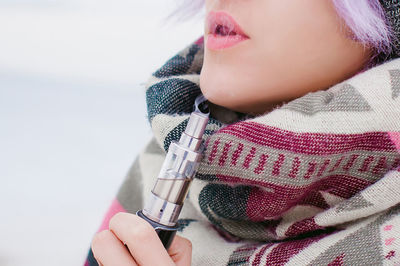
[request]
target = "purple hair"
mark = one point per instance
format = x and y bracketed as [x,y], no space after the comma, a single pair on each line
[365,18]
[367,21]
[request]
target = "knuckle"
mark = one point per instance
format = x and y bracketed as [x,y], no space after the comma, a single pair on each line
[116,218]
[142,231]
[100,239]
[131,225]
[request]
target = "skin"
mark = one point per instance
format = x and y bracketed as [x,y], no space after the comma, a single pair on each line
[144,246]
[295,47]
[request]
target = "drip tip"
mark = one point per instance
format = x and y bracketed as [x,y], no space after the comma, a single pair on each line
[200,105]
[198,119]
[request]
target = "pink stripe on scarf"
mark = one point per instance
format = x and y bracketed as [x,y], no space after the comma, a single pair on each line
[269,201]
[200,41]
[322,143]
[395,136]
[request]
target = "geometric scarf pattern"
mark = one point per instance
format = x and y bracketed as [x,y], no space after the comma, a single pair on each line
[315,181]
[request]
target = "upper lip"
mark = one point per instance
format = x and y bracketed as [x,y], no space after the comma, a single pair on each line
[221,18]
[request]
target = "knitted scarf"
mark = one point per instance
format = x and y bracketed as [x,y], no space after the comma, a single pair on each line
[315,181]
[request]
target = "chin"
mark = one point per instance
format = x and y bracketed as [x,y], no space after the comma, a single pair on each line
[217,90]
[222,97]
[225,91]
[221,92]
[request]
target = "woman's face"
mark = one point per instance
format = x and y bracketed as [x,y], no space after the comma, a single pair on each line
[293,47]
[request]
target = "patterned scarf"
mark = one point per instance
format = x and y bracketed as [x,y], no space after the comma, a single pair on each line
[315,181]
[301,172]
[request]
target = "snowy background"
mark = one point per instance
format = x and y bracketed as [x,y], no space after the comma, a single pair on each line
[72,115]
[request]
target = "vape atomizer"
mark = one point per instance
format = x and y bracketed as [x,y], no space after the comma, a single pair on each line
[165,201]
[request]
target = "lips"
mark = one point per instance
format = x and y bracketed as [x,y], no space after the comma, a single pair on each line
[223,31]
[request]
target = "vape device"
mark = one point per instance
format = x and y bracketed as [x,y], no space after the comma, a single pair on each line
[166,199]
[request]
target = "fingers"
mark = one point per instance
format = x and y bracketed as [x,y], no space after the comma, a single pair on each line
[180,251]
[108,250]
[141,239]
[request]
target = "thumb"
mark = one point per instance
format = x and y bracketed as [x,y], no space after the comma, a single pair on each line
[180,251]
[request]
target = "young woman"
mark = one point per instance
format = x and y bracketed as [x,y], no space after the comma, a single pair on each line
[301,165]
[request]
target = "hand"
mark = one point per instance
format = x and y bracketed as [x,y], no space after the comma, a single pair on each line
[144,245]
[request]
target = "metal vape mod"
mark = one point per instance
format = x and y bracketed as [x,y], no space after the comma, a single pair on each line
[165,201]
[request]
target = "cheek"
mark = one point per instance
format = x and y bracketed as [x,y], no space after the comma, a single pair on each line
[306,48]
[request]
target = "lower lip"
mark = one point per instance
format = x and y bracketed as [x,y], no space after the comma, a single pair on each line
[219,42]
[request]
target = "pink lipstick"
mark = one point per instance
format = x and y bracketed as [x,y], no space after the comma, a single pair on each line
[223,31]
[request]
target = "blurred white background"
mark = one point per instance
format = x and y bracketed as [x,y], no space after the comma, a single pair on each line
[73,115]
